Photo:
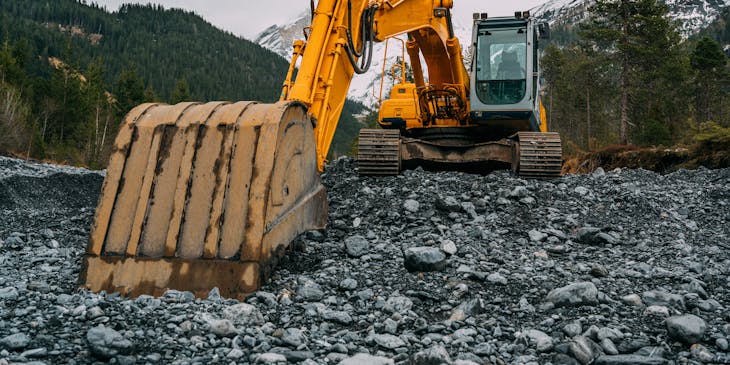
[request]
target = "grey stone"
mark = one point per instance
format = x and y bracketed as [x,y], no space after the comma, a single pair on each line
[469,308]
[267,298]
[39,352]
[587,235]
[310,291]
[222,328]
[94,312]
[695,286]
[214,295]
[106,343]
[651,351]
[465,362]
[687,328]
[540,340]
[577,294]
[449,204]
[563,359]
[271,358]
[411,205]
[424,259]
[39,286]
[609,347]
[357,246]
[436,355]
[9,293]
[584,349]
[722,344]
[176,296]
[633,300]
[704,355]
[47,234]
[390,326]
[340,317]
[581,190]
[398,304]
[496,278]
[366,359]
[656,310]
[243,314]
[599,271]
[573,329]
[537,236]
[609,333]
[15,341]
[294,337]
[14,242]
[449,247]
[297,356]
[234,354]
[348,284]
[629,360]
[388,341]
[658,297]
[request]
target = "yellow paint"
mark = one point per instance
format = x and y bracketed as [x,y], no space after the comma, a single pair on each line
[325,72]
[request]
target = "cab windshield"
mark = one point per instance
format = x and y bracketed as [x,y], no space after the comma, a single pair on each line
[501,65]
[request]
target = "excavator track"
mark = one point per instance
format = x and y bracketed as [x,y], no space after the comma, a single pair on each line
[538,155]
[378,152]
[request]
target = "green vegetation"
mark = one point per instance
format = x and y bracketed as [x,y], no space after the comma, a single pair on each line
[69,72]
[627,77]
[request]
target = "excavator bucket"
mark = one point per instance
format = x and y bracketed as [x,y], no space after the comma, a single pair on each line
[208,195]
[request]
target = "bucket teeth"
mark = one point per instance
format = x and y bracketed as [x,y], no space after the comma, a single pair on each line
[204,195]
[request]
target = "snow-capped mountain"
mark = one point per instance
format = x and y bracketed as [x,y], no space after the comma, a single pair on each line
[364,88]
[693,14]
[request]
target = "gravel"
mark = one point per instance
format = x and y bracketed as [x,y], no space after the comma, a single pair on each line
[528,272]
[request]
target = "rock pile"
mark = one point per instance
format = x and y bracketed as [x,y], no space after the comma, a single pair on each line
[623,267]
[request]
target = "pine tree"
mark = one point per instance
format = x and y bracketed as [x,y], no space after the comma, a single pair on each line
[181,92]
[129,92]
[709,64]
[639,39]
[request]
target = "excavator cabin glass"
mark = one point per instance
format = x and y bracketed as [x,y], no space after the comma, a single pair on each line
[501,65]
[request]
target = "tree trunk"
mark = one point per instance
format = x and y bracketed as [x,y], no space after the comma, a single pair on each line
[588,116]
[624,103]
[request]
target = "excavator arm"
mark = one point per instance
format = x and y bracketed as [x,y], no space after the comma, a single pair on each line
[204,195]
[340,44]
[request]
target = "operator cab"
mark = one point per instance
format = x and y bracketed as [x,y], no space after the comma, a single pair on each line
[504,74]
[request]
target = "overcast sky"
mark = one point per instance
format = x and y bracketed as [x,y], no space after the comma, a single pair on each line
[249,17]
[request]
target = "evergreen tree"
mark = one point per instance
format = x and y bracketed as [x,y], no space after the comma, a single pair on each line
[709,64]
[181,92]
[129,91]
[580,85]
[10,70]
[640,40]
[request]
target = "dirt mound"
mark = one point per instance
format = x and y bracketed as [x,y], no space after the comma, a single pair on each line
[658,159]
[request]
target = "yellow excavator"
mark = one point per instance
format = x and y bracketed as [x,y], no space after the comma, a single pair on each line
[203,195]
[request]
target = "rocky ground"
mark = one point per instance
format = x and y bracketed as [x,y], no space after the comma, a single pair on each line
[621,267]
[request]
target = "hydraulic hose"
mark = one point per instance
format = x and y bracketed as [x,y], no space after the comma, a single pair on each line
[367,38]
